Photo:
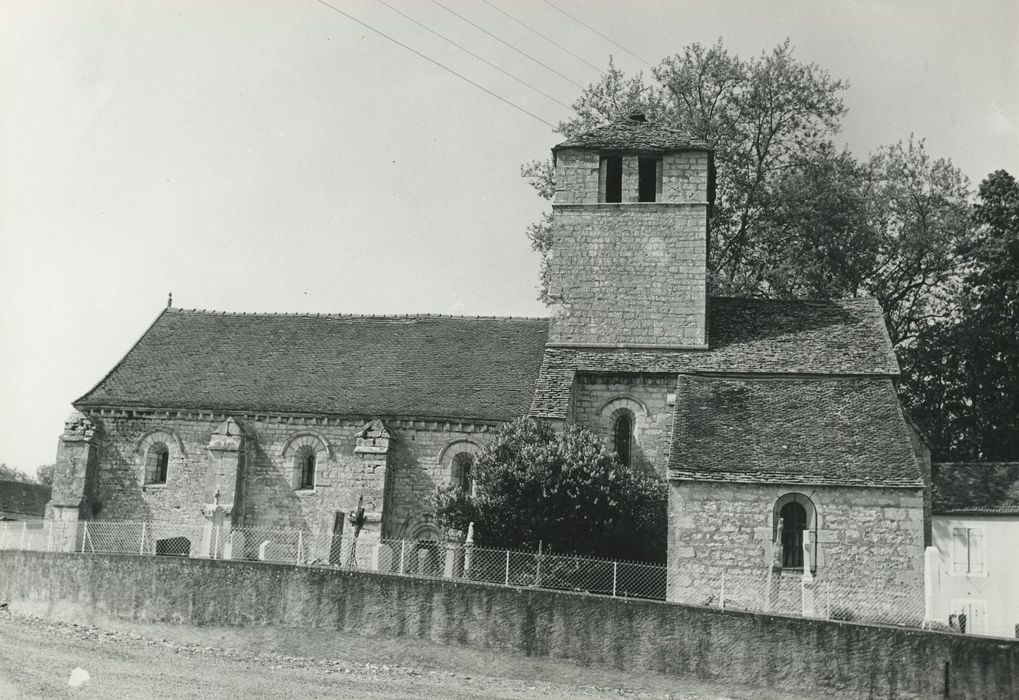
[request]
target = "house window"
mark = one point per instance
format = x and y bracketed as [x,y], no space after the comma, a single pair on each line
[463,464]
[794,522]
[622,437]
[157,462]
[967,551]
[305,467]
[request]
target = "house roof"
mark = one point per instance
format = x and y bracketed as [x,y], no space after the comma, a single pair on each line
[633,135]
[413,366]
[745,336]
[846,431]
[18,498]
[975,488]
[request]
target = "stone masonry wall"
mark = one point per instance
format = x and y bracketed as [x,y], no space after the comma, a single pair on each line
[267,497]
[629,274]
[869,550]
[804,657]
[595,396]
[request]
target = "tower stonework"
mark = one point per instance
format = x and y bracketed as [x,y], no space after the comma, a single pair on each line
[629,238]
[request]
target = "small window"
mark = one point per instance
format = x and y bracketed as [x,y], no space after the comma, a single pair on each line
[967,551]
[463,465]
[622,437]
[647,175]
[305,467]
[794,522]
[157,463]
[612,167]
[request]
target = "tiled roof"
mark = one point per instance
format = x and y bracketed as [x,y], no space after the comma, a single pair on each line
[744,336]
[412,366]
[628,134]
[975,488]
[837,431]
[20,499]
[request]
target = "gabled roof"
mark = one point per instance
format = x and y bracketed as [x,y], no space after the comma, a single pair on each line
[975,488]
[21,499]
[410,366]
[744,336]
[633,135]
[823,431]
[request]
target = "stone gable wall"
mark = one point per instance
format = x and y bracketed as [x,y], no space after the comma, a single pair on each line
[653,431]
[869,546]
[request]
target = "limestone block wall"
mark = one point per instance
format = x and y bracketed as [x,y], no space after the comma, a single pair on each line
[629,274]
[869,546]
[576,176]
[596,397]
[396,487]
[686,177]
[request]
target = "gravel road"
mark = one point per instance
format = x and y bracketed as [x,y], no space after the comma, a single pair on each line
[128,660]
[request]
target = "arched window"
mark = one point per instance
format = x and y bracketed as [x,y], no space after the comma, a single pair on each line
[794,522]
[463,464]
[304,465]
[622,437]
[157,462]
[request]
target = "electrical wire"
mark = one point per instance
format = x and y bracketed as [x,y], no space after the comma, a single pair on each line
[480,58]
[432,60]
[603,36]
[506,43]
[535,31]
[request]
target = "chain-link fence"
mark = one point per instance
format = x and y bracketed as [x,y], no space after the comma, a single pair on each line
[760,589]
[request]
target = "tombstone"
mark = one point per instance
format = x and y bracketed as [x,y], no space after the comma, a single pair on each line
[382,558]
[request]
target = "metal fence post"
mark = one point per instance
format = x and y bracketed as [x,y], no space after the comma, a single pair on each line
[84,536]
[300,545]
[403,551]
[615,576]
[141,546]
[507,566]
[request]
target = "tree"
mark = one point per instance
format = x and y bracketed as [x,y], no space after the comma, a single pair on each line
[44,474]
[793,216]
[12,474]
[962,372]
[565,489]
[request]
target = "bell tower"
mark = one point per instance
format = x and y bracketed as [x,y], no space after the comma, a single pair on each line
[630,238]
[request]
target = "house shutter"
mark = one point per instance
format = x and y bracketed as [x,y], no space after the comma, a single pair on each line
[960,550]
[976,551]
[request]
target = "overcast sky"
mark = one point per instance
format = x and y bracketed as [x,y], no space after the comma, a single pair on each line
[276,156]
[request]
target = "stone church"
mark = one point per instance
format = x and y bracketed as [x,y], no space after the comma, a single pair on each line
[775,423]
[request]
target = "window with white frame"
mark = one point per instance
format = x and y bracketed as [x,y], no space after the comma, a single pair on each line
[968,551]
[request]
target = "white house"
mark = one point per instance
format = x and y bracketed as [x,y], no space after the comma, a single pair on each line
[974,586]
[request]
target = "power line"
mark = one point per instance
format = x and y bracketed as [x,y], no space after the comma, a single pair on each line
[603,36]
[506,43]
[535,31]
[480,58]
[432,60]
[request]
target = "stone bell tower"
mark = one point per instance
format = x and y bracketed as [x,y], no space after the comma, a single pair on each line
[630,239]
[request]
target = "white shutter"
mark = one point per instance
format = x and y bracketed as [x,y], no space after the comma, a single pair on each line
[960,550]
[976,551]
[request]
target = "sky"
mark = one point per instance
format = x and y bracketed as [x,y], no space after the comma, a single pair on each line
[280,157]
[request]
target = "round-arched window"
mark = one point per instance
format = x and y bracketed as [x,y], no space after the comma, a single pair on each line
[463,466]
[157,462]
[305,467]
[794,522]
[622,437]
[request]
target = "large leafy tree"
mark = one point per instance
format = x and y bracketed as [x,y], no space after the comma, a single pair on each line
[962,372]
[793,215]
[564,489]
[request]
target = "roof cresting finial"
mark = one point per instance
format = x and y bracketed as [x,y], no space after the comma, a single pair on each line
[169,301]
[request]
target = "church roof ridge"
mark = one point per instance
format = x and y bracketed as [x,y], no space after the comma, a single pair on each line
[634,133]
[347,316]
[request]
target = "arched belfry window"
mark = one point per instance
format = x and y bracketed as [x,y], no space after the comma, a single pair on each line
[794,523]
[157,462]
[305,467]
[622,437]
